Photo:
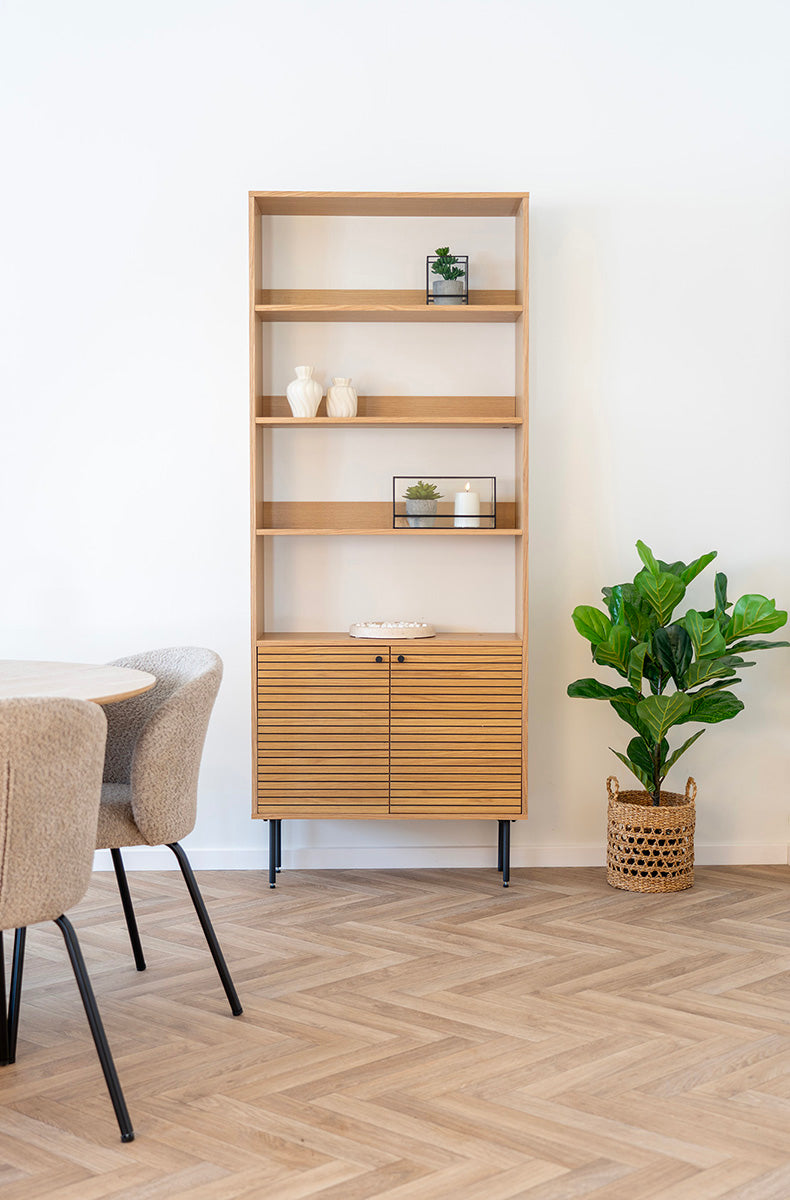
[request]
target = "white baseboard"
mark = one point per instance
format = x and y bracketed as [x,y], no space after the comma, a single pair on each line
[338,858]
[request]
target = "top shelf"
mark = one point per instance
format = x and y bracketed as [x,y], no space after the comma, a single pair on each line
[389,204]
[382,305]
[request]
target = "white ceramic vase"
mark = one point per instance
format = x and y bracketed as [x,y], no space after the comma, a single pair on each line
[341,399]
[304,393]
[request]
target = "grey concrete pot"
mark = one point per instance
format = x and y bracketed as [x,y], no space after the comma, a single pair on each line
[448,291]
[421,513]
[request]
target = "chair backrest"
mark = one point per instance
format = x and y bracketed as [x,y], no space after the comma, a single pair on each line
[155,741]
[51,756]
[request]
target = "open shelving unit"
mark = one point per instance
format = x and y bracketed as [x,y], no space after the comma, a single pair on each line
[351,728]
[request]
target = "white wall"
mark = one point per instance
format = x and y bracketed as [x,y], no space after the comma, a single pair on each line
[654,144]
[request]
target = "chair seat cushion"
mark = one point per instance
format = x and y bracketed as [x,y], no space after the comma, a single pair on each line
[116,823]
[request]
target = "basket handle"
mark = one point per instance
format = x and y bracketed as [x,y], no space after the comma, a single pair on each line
[691,790]
[613,787]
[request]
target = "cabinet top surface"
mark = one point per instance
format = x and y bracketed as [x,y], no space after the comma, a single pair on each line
[389,204]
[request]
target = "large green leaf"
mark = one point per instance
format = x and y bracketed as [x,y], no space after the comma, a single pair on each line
[642,775]
[663,592]
[591,623]
[754,614]
[706,635]
[636,662]
[642,754]
[640,617]
[750,644]
[593,689]
[615,650]
[720,706]
[660,713]
[674,651]
[721,603]
[647,557]
[675,755]
[674,568]
[714,668]
[694,568]
[626,711]
[614,602]
[727,682]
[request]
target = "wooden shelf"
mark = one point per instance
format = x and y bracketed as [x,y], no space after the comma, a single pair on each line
[371,518]
[424,422]
[384,305]
[439,411]
[272,640]
[389,204]
[360,530]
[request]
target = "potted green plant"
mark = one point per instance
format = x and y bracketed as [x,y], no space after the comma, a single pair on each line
[422,501]
[674,672]
[448,287]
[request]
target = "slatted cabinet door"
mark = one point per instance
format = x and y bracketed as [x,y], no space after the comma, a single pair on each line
[455,731]
[323,731]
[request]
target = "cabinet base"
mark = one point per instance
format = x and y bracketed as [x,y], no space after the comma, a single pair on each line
[276,850]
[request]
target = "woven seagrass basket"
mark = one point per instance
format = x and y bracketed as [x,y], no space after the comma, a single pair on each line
[650,848]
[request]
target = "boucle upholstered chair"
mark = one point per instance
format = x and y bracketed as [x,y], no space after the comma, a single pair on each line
[51,756]
[149,797]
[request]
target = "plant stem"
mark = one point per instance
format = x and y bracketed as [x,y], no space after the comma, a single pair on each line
[657,775]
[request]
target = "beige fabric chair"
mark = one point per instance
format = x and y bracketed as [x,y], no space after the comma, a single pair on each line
[149,797]
[51,757]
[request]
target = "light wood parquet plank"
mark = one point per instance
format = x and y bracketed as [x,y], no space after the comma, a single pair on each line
[415,1035]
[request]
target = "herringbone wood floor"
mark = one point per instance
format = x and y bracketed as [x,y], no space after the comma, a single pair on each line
[415,1036]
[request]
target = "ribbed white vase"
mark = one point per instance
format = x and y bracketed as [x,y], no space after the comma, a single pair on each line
[341,399]
[304,393]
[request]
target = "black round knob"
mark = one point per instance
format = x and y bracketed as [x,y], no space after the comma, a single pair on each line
[401,658]
[379,658]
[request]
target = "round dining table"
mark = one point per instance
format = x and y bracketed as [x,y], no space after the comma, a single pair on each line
[102,683]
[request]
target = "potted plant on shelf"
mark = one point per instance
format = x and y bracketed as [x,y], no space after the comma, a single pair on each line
[675,671]
[422,501]
[449,287]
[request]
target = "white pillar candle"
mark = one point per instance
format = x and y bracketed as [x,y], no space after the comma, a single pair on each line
[467,508]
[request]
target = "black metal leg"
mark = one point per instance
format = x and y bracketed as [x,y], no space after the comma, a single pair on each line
[128,910]
[208,928]
[15,992]
[272,852]
[4,1051]
[506,854]
[97,1029]
[279,840]
[499,845]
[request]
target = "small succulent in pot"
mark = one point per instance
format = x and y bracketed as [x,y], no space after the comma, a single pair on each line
[448,288]
[422,500]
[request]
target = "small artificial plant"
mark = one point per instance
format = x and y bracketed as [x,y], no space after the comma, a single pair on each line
[674,671]
[422,491]
[445,264]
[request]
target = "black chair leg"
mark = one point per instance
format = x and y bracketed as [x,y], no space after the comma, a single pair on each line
[499,846]
[128,910]
[279,838]
[208,929]
[15,992]
[97,1029]
[4,1050]
[506,854]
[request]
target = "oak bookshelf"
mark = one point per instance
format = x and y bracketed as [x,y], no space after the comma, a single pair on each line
[387,729]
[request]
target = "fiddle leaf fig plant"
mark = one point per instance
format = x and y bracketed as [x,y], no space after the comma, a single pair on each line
[674,670]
